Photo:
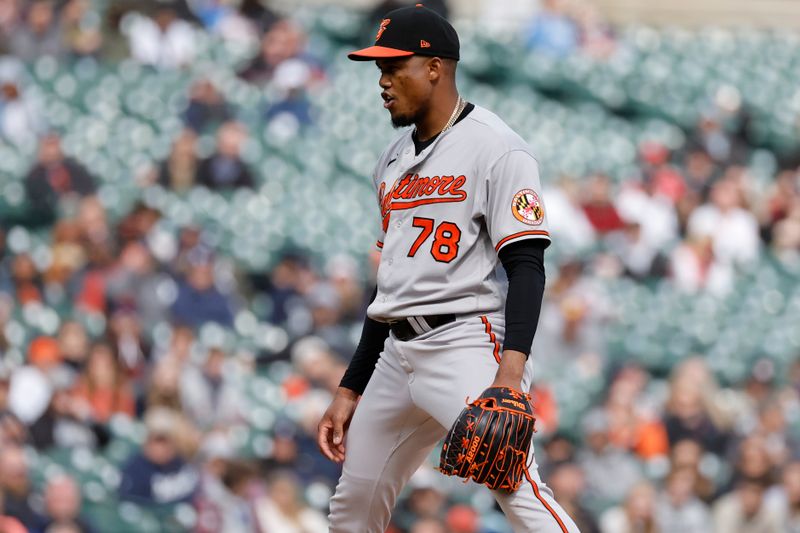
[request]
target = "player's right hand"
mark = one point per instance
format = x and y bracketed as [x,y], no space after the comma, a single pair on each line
[334,424]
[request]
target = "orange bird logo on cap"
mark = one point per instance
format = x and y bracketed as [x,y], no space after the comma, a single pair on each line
[384,23]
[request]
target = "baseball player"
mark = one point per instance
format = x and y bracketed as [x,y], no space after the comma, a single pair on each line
[458,192]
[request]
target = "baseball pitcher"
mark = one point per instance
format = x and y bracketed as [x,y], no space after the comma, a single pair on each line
[457,193]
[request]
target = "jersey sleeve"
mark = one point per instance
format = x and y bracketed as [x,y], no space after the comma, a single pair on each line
[514,209]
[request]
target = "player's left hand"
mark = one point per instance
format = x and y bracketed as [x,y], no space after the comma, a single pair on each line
[512,367]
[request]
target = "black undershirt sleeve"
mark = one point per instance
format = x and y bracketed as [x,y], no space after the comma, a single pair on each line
[524,265]
[369,349]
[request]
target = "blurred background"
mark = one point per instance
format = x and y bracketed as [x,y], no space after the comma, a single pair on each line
[187,219]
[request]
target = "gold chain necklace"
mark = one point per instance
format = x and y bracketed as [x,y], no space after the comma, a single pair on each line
[460,105]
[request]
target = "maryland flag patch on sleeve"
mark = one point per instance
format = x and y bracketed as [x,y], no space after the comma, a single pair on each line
[527,208]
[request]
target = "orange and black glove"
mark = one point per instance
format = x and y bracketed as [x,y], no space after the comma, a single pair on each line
[490,440]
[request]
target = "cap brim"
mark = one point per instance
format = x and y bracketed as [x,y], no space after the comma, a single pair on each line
[377,52]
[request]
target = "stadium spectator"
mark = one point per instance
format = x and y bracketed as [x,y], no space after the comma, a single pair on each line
[552,30]
[126,334]
[284,41]
[568,222]
[39,34]
[31,386]
[159,474]
[211,401]
[687,413]
[598,206]
[283,510]
[17,489]
[82,35]
[325,306]
[572,318]
[21,118]
[225,170]
[199,300]
[678,508]
[163,389]
[162,40]
[643,204]
[9,524]
[639,258]
[9,18]
[260,15]
[637,515]
[62,503]
[225,501]
[693,267]
[780,199]
[55,177]
[65,424]
[733,229]
[134,288]
[601,461]
[785,498]
[596,35]
[633,419]
[317,363]
[103,387]
[743,509]
[292,109]
[688,455]
[567,480]
[207,108]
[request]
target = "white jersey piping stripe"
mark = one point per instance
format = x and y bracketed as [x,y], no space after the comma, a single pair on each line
[418,329]
[424,323]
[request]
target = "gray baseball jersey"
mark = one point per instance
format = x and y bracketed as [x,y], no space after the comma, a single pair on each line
[447,212]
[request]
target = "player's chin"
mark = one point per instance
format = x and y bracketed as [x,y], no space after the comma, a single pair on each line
[401,120]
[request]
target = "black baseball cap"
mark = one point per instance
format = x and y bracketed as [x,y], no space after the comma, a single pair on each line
[408,31]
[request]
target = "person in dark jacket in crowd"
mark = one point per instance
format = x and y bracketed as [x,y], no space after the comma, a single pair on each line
[53,178]
[158,474]
[225,168]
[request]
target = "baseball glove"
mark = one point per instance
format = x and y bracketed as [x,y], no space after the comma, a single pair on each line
[490,439]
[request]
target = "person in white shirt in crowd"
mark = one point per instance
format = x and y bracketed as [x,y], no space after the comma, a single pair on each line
[733,229]
[568,223]
[694,268]
[678,509]
[163,40]
[283,509]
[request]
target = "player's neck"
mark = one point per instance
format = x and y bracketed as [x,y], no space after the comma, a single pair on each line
[436,120]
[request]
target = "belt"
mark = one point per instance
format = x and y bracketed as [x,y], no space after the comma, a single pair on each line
[409,328]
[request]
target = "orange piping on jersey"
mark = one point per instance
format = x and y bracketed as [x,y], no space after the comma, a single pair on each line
[379,244]
[521,234]
[492,338]
[544,502]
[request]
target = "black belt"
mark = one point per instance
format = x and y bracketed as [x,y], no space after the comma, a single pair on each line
[410,328]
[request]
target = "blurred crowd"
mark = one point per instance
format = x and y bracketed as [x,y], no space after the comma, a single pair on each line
[121,310]
[563,27]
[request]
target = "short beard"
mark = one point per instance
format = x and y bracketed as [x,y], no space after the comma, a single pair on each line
[402,121]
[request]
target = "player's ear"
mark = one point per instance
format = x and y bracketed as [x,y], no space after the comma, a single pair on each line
[434,69]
